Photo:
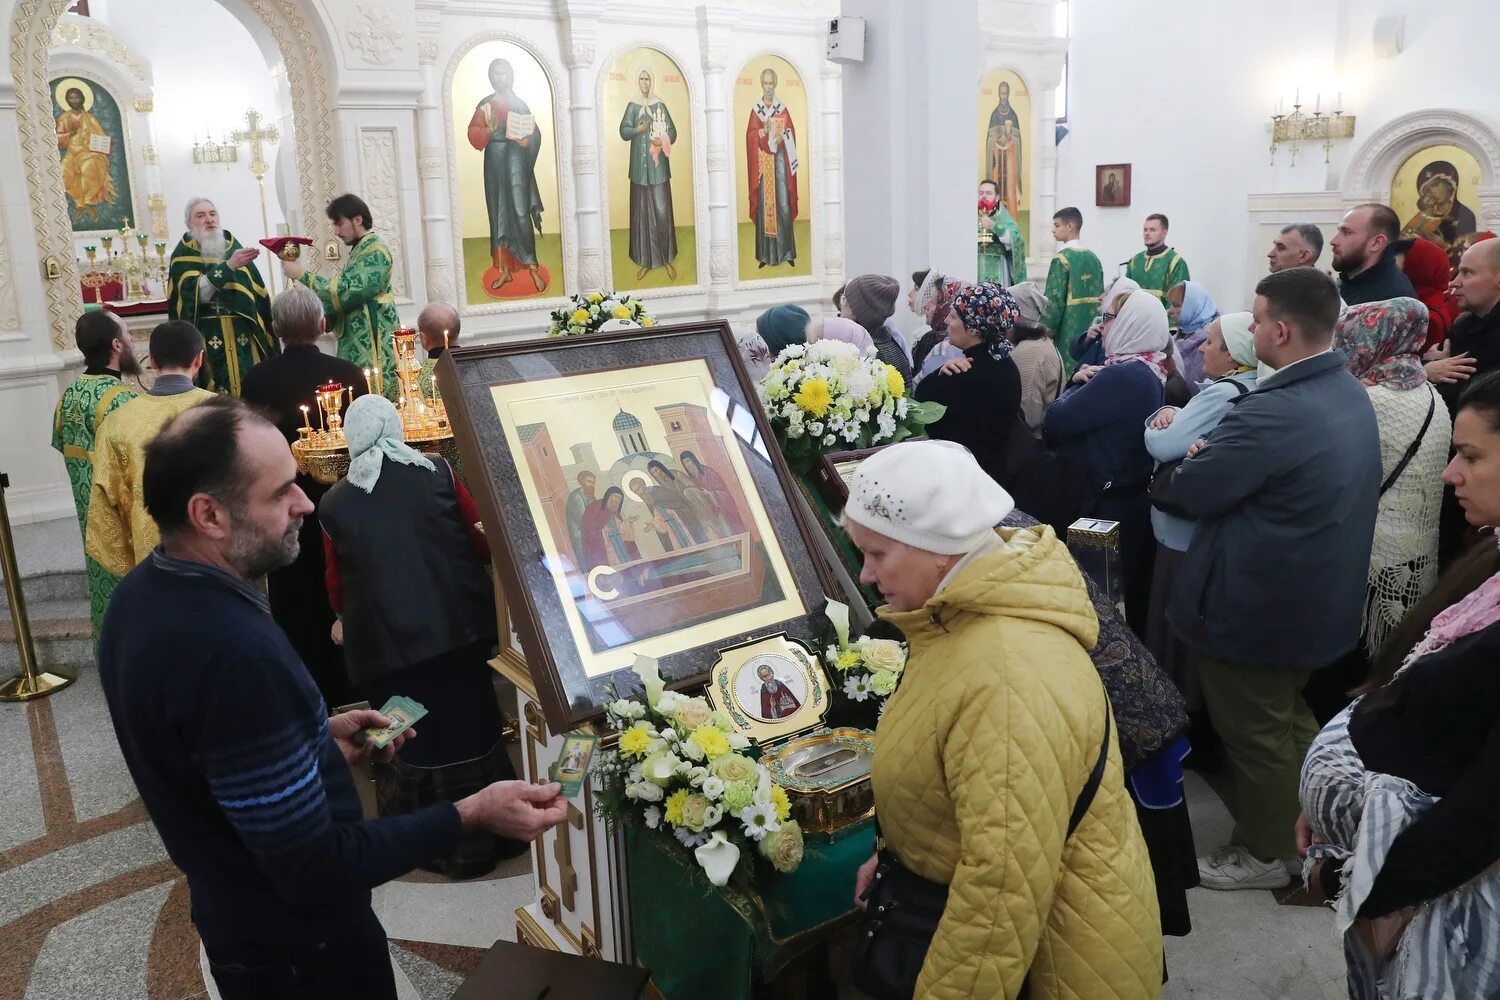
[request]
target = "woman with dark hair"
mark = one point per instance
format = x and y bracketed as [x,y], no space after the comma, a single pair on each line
[982,390]
[1399,791]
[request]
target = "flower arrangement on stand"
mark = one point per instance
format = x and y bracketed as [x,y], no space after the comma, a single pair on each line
[588,313]
[680,770]
[871,668]
[827,396]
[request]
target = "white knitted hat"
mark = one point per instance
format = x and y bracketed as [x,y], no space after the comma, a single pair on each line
[931,495]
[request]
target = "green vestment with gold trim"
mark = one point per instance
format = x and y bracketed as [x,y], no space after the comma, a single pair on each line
[235,321]
[1074,284]
[361,309]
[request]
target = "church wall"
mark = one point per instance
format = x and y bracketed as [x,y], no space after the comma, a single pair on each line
[1194,118]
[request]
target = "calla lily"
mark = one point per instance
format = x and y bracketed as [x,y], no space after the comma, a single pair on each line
[718,858]
[645,669]
[838,614]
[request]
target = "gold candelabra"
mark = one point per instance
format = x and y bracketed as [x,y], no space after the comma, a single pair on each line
[1296,128]
[423,417]
[132,269]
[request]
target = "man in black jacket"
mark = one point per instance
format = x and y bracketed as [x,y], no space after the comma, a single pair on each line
[283,385]
[1272,586]
[245,776]
[1364,255]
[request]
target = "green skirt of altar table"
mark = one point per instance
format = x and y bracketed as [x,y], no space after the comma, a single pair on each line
[699,941]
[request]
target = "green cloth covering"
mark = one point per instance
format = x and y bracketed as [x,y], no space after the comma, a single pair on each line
[236,322]
[1158,274]
[1074,284]
[699,941]
[828,520]
[992,256]
[361,309]
[80,410]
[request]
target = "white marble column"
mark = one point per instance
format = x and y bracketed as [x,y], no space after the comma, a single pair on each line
[832,134]
[910,110]
[582,38]
[432,174]
[714,26]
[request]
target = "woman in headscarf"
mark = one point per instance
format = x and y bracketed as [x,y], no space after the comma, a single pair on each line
[1087,348]
[407,572]
[983,392]
[1229,361]
[1381,340]
[1399,791]
[838,328]
[782,326]
[934,302]
[1425,263]
[1193,309]
[870,300]
[1096,426]
[1036,357]
[991,743]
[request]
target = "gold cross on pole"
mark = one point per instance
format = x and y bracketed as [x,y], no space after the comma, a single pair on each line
[256,136]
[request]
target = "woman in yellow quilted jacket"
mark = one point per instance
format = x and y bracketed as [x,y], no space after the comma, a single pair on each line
[990,740]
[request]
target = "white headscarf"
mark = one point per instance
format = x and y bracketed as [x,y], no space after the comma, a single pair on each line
[1140,332]
[373,429]
[1238,340]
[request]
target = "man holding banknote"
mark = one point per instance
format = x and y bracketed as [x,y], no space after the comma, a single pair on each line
[228,740]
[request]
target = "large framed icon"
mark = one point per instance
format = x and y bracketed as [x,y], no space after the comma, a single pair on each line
[635,505]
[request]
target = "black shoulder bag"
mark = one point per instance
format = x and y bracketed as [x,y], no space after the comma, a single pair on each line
[902,909]
[1160,490]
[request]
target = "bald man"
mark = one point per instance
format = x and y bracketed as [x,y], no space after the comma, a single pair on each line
[438,325]
[1473,344]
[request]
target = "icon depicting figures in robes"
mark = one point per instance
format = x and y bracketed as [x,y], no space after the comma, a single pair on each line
[771,162]
[85,162]
[647,125]
[776,702]
[504,128]
[1005,151]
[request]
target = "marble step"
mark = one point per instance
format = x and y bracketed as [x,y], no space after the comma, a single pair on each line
[54,585]
[60,632]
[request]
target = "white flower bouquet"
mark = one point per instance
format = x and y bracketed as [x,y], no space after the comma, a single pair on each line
[871,668]
[679,768]
[827,396]
[587,313]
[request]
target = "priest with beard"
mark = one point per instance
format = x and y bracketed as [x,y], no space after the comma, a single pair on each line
[214,284]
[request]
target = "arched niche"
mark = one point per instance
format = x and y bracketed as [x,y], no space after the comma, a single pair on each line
[292,34]
[1370,171]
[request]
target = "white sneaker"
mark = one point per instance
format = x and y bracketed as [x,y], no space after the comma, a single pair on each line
[1233,867]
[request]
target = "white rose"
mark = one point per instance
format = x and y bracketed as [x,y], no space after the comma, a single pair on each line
[669,702]
[829,439]
[691,750]
[645,791]
[883,654]
[794,430]
[738,741]
[815,428]
[713,787]
[653,817]
[712,815]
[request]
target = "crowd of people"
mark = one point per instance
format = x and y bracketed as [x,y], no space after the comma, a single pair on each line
[1289,481]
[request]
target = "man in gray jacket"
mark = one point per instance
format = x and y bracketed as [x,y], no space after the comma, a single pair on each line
[1273,584]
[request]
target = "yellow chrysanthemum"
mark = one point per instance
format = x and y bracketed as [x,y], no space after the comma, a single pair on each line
[848,660]
[621,312]
[895,382]
[648,322]
[814,396]
[635,740]
[674,806]
[713,742]
[781,802]
[596,297]
[581,316]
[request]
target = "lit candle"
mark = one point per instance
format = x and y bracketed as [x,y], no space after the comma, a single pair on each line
[306,422]
[445,340]
[1338,103]
[1297,98]
[367,380]
[1318,106]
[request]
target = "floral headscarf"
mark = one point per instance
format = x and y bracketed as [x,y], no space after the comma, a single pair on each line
[988,311]
[1382,340]
[1140,332]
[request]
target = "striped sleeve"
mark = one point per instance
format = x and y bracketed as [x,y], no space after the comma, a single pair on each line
[270,787]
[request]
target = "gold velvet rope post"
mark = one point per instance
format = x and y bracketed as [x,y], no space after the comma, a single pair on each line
[29,683]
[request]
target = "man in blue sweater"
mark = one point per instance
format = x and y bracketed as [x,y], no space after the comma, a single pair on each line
[230,744]
[1272,586]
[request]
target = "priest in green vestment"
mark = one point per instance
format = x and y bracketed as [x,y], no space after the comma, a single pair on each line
[359,304]
[1157,269]
[1074,284]
[108,353]
[215,285]
[1003,259]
